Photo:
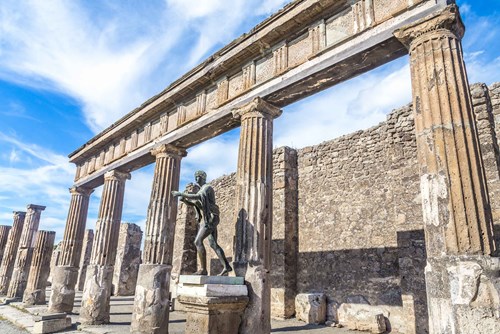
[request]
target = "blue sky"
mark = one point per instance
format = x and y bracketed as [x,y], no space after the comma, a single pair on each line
[68,69]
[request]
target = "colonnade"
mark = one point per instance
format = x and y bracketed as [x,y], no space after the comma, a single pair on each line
[457,217]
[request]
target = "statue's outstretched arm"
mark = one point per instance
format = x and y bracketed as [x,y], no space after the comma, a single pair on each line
[186,195]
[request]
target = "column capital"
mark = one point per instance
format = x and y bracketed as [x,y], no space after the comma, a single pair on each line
[81,191]
[35,207]
[19,213]
[257,106]
[168,149]
[447,21]
[116,175]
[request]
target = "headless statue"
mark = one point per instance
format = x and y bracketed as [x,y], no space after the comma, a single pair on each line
[207,215]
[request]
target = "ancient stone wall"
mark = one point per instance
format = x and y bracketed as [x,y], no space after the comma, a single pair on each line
[360,233]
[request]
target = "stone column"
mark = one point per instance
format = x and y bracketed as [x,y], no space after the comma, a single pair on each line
[65,273]
[252,253]
[88,239]
[285,243]
[25,252]
[40,268]
[456,210]
[151,304]
[4,236]
[97,290]
[10,251]
[128,259]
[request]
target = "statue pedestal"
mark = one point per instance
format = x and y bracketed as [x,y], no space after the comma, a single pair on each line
[213,304]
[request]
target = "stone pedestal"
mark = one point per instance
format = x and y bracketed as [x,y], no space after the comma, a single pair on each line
[40,269]
[63,284]
[10,251]
[213,304]
[457,214]
[88,239]
[252,253]
[151,304]
[97,290]
[51,323]
[25,254]
[128,259]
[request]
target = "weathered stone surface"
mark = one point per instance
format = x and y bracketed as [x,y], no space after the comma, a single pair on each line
[211,290]
[53,261]
[24,256]
[200,279]
[151,303]
[128,259]
[88,239]
[362,317]
[40,268]
[4,236]
[51,325]
[10,251]
[213,315]
[252,251]
[311,308]
[71,249]
[96,295]
[97,290]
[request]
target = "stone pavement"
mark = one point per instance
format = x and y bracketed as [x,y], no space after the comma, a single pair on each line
[121,312]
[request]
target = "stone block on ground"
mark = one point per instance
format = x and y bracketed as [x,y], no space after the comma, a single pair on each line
[362,317]
[311,307]
[51,324]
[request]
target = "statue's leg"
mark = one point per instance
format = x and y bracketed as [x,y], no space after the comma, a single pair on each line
[212,240]
[203,232]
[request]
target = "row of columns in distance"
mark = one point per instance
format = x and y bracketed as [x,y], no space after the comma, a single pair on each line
[457,217]
[25,256]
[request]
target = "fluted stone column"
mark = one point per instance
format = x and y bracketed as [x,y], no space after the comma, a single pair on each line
[460,274]
[25,253]
[4,236]
[40,268]
[65,273]
[88,239]
[252,253]
[10,251]
[97,290]
[151,304]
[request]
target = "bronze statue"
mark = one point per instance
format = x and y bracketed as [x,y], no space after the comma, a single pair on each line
[207,214]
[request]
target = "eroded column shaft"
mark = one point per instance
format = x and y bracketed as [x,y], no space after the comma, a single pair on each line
[4,236]
[25,253]
[40,268]
[88,239]
[65,273]
[10,251]
[151,302]
[252,252]
[97,290]
[456,211]
[128,259]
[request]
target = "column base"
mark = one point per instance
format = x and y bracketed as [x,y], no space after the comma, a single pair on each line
[35,297]
[151,302]
[463,294]
[96,295]
[62,298]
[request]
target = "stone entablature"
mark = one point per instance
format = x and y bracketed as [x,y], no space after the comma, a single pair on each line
[307,46]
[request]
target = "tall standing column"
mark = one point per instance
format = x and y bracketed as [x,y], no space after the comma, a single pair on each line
[151,302]
[457,216]
[40,268]
[65,273]
[10,251]
[25,252]
[4,236]
[252,254]
[97,290]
